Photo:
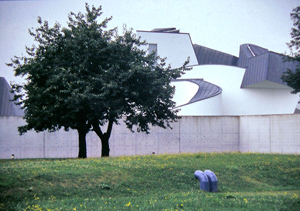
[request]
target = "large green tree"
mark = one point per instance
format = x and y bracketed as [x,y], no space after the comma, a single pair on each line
[292,77]
[84,77]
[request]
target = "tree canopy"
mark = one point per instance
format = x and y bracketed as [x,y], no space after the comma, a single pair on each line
[85,76]
[292,77]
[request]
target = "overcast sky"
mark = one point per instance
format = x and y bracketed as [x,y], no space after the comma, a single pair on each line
[218,24]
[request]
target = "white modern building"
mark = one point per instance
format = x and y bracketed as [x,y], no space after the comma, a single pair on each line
[222,84]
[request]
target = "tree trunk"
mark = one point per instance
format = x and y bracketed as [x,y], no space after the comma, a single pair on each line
[104,137]
[82,143]
[105,147]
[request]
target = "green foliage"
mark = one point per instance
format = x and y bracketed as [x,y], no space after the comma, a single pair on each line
[157,182]
[85,76]
[295,33]
[292,77]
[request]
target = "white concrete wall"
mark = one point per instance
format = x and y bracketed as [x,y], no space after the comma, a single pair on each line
[177,47]
[159,141]
[189,134]
[266,134]
[270,134]
[59,144]
[29,145]
[209,134]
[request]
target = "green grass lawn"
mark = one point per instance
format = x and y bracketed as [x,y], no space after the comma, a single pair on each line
[156,182]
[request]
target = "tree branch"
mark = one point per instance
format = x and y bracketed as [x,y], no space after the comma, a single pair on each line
[109,128]
[98,130]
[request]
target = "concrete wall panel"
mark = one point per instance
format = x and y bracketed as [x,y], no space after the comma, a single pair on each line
[255,134]
[121,142]
[209,134]
[270,134]
[93,144]
[285,127]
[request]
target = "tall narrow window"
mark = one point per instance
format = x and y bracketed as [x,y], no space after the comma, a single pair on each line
[152,48]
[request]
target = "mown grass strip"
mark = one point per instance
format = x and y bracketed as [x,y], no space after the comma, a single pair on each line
[157,182]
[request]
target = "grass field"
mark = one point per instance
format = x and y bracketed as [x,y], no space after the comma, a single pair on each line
[156,182]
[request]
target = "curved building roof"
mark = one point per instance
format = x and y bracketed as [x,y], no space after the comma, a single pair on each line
[206,90]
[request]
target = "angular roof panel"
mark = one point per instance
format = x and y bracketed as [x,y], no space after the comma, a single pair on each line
[7,107]
[263,65]
[209,56]
[256,70]
[248,51]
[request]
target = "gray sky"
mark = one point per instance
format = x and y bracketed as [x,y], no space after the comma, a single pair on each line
[218,24]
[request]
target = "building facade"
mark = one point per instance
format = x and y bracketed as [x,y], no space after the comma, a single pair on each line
[223,84]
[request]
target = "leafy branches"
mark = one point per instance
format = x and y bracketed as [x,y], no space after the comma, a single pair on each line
[292,77]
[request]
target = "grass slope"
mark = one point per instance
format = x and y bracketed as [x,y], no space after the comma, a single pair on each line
[157,182]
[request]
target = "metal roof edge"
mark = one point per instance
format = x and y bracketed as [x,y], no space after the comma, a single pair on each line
[163,32]
[216,50]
